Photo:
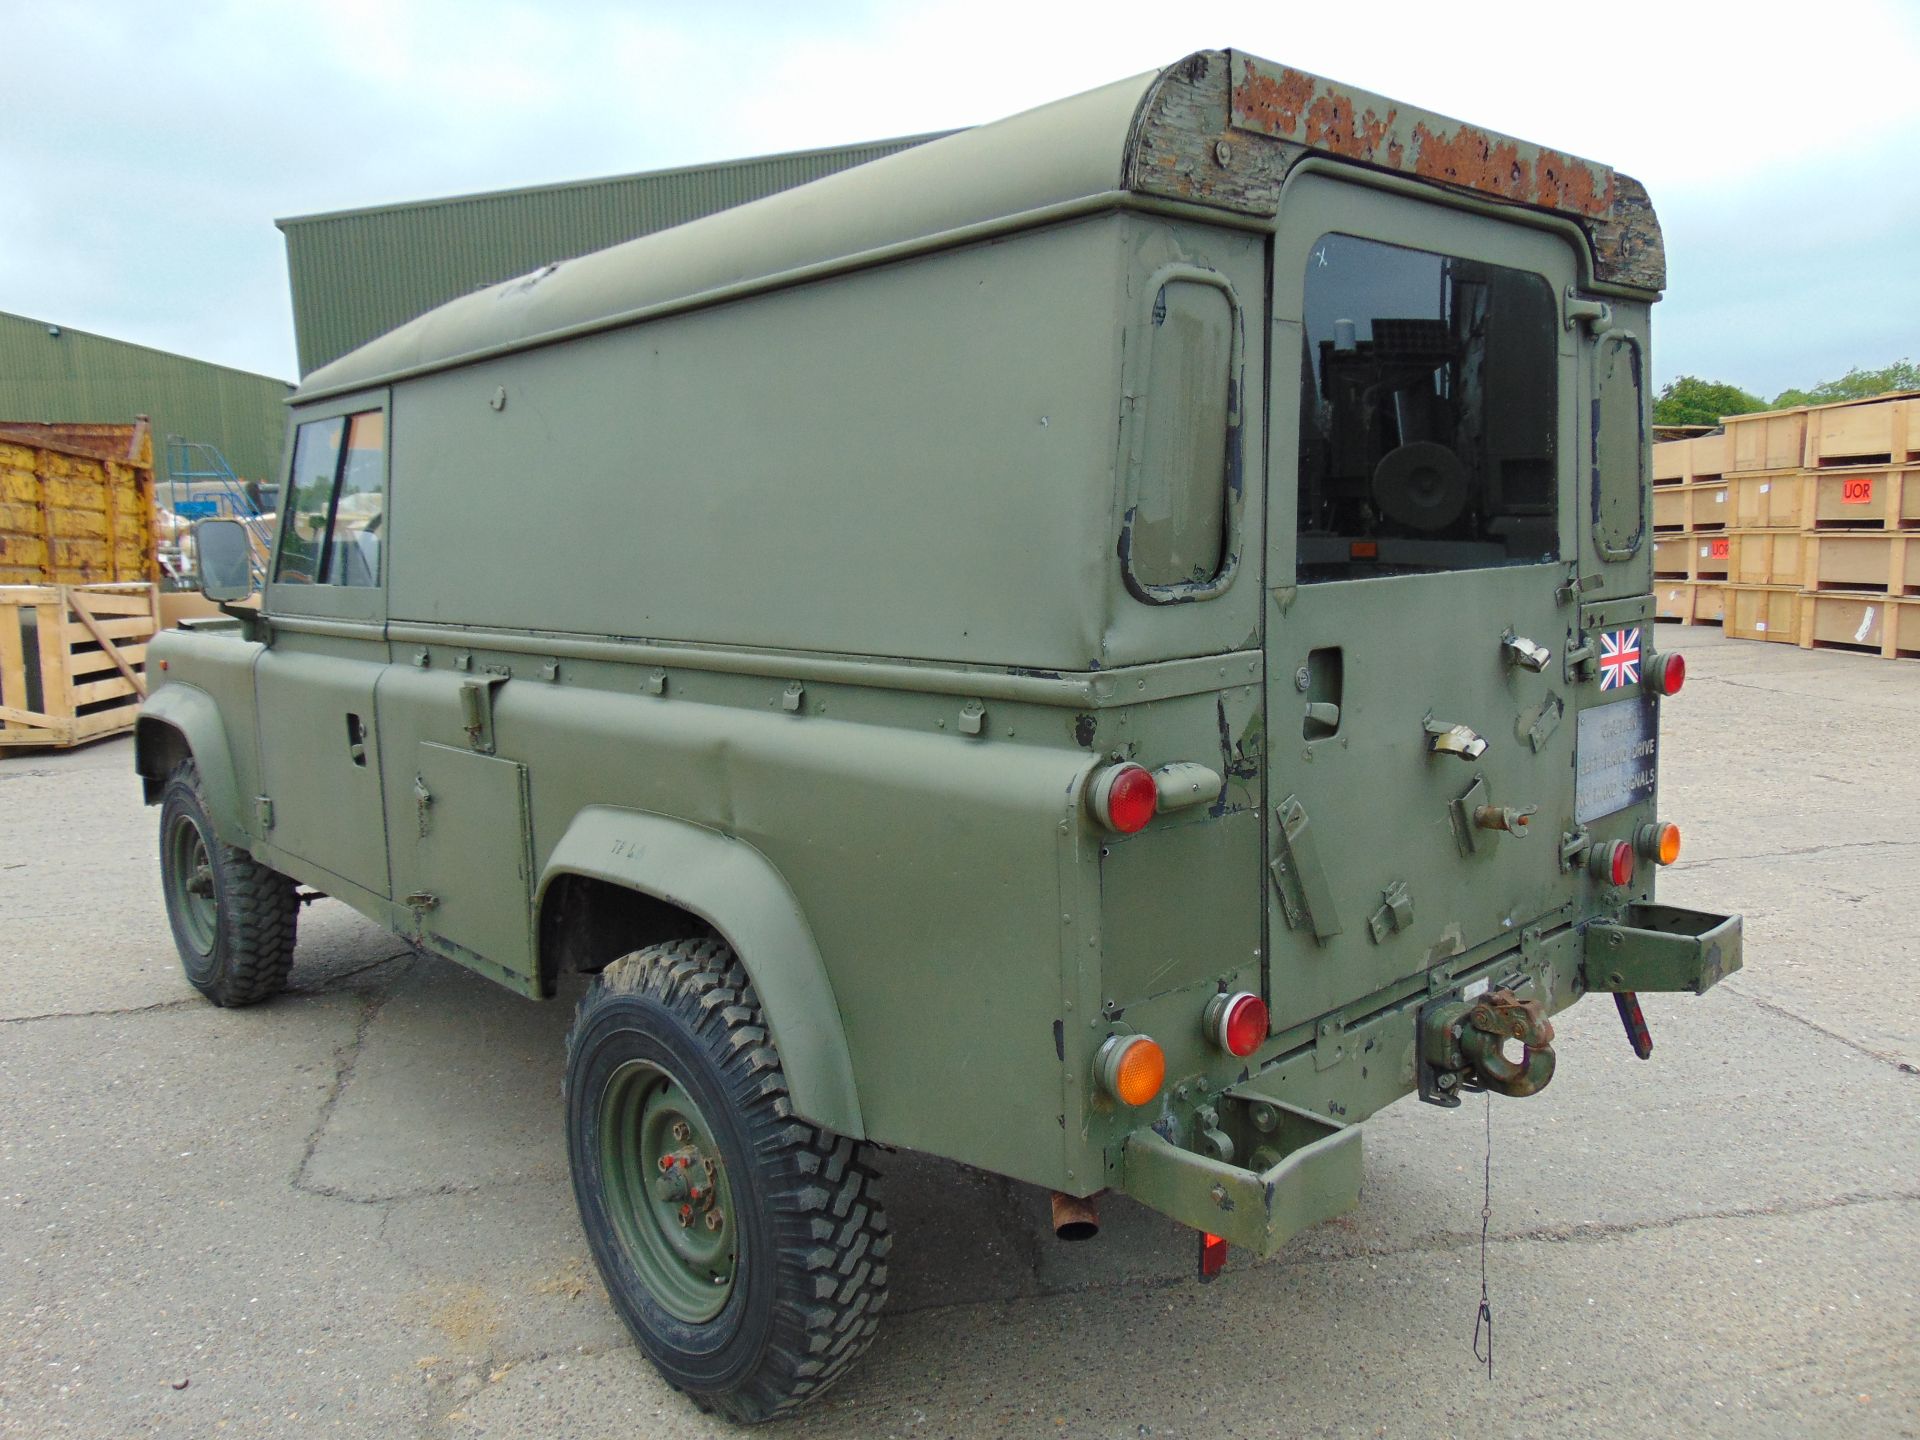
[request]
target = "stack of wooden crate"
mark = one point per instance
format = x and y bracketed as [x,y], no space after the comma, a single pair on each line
[1800,526]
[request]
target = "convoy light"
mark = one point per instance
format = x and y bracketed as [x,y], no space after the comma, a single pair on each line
[1612,862]
[1659,842]
[1237,1023]
[1124,797]
[1669,673]
[1131,1068]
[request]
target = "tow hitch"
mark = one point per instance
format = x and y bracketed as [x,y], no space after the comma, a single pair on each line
[1463,1047]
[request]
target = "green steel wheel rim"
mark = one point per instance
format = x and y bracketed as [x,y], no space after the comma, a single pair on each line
[190,883]
[667,1191]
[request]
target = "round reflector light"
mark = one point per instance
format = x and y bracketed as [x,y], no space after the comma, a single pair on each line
[1131,1068]
[1237,1023]
[1124,798]
[1669,844]
[1669,673]
[1620,863]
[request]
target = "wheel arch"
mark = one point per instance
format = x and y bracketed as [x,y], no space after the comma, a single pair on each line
[728,885]
[180,722]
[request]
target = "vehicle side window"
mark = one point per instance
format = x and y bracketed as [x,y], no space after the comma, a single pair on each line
[336,501]
[1428,414]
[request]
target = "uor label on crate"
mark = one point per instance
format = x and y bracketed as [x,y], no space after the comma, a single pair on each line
[1614,758]
[1857,491]
[1717,549]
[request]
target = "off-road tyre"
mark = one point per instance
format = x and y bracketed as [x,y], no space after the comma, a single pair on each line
[238,949]
[810,1275]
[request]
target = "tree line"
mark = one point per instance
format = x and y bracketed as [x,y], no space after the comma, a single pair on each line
[1690,400]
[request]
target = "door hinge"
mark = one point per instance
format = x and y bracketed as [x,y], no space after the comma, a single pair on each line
[263,811]
[421,900]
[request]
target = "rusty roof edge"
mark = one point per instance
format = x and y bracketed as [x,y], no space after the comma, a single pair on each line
[1224,128]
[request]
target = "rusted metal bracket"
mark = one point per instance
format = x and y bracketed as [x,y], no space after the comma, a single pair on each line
[476,709]
[1305,893]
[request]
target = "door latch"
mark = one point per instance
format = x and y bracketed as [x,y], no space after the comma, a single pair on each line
[1524,653]
[1444,738]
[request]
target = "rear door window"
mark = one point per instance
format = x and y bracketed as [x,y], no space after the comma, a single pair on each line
[1427,413]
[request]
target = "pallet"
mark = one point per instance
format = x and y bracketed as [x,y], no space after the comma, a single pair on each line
[1701,505]
[1764,612]
[73,660]
[1766,557]
[1689,602]
[1682,462]
[1864,498]
[1887,561]
[1873,624]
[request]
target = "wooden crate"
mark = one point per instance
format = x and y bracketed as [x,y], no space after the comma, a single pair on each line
[1768,500]
[1765,557]
[1873,623]
[1775,440]
[1871,498]
[73,660]
[1698,506]
[1680,462]
[1884,560]
[76,504]
[1764,612]
[1885,431]
[1690,602]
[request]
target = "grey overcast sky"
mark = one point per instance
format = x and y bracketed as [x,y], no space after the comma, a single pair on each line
[145,149]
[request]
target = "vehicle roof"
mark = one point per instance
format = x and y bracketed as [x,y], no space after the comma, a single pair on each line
[1219,129]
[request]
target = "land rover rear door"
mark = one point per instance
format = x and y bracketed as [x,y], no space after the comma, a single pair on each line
[1420,527]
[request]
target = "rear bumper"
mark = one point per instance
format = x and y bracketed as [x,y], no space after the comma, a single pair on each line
[1302,1167]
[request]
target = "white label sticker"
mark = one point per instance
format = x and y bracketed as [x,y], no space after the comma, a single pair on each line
[1760,625]
[1866,624]
[1765,488]
[1474,989]
[1703,550]
[1720,497]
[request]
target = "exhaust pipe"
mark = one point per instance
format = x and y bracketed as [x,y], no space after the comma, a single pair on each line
[1074,1218]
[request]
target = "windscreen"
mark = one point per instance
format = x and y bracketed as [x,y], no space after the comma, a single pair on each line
[1428,413]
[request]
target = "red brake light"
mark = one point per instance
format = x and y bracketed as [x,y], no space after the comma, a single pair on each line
[1237,1023]
[1124,798]
[1622,867]
[1670,673]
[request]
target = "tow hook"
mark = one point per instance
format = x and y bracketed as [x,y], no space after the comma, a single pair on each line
[1462,1047]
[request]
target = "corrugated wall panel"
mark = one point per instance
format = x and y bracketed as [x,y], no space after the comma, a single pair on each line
[357,274]
[76,377]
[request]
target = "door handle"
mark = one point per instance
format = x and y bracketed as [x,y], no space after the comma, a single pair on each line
[356,740]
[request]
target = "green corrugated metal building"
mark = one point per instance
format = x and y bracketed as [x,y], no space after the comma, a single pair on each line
[356,274]
[51,373]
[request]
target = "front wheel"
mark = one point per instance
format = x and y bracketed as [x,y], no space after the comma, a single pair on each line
[743,1247]
[233,918]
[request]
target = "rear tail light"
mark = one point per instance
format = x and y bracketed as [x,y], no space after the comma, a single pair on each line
[1237,1023]
[1612,862]
[1131,1068]
[1659,843]
[1124,798]
[1668,673]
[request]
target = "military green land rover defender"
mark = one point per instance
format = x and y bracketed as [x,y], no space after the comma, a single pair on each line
[1107,647]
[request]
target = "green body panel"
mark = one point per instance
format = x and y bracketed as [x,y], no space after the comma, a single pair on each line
[778,568]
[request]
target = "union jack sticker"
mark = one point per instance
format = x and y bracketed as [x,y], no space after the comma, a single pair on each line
[1619,658]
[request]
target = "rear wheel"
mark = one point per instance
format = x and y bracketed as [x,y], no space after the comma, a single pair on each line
[233,918]
[743,1247]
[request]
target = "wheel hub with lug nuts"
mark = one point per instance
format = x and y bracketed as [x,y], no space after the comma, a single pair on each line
[667,1190]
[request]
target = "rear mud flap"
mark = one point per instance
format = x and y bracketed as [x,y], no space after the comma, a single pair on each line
[1316,1178]
[1662,948]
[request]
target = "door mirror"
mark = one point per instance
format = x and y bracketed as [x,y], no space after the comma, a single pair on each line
[225,554]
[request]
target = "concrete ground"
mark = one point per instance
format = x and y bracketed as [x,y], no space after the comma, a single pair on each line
[347,1211]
